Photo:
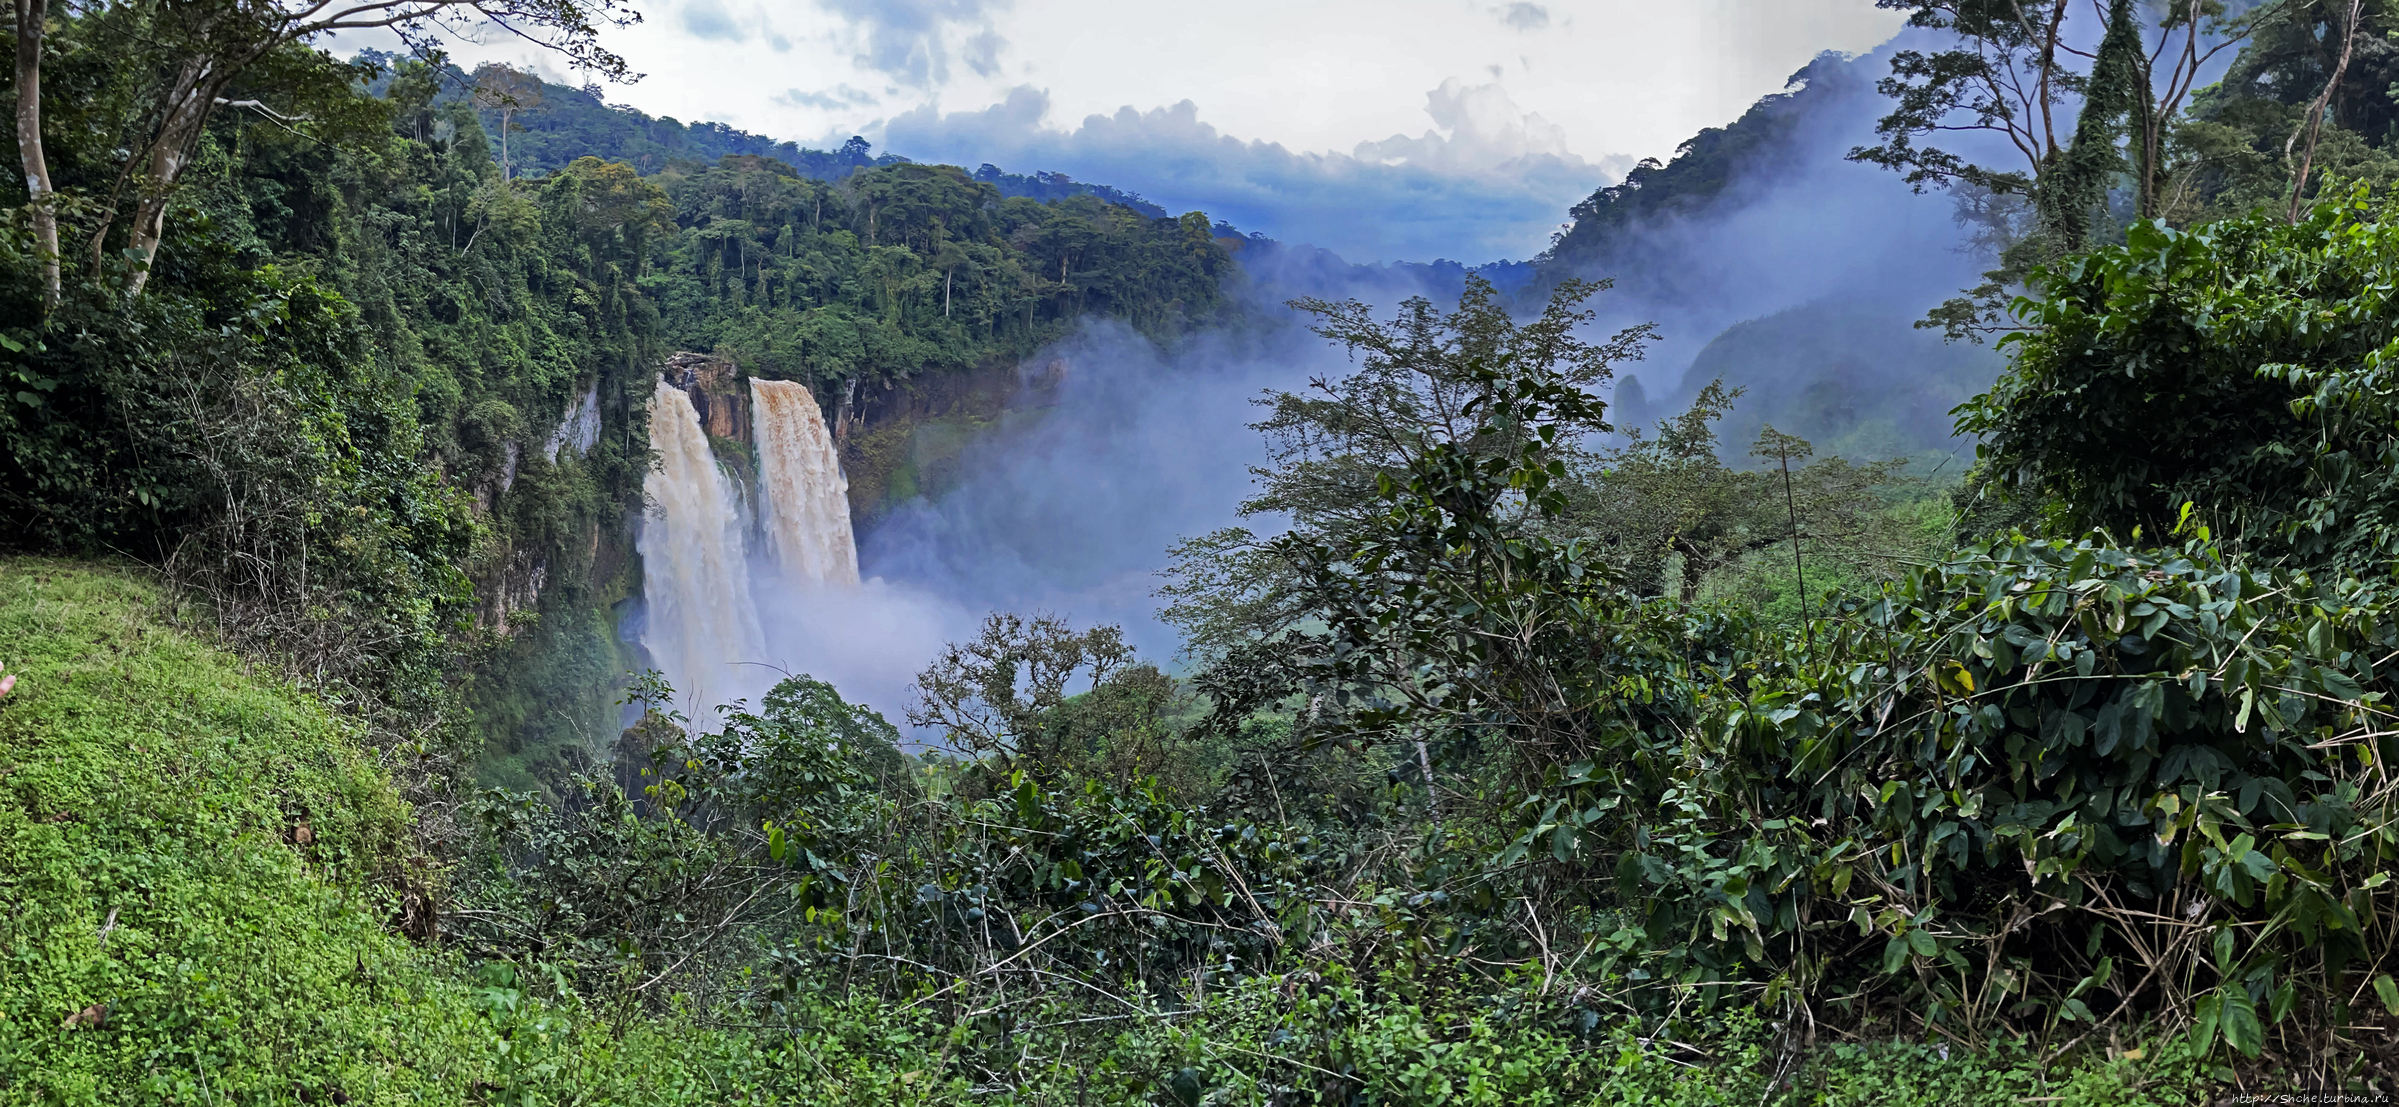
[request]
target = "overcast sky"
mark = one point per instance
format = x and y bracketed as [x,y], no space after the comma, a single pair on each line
[1263,111]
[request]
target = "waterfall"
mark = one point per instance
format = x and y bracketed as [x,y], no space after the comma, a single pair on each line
[806,499]
[695,574]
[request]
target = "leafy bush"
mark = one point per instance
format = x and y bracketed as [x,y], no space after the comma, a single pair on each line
[2236,365]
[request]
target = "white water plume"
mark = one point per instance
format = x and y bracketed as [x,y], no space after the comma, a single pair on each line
[701,621]
[801,486]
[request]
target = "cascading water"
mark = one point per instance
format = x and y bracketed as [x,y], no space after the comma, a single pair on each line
[806,498]
[701,621]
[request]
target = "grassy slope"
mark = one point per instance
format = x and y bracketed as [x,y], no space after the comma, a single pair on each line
[144,774]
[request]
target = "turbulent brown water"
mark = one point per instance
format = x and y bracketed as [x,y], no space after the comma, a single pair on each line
[701,622]
[801,488]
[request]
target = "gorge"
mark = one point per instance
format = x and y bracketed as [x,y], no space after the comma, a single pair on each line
[719,533]
[1120,658]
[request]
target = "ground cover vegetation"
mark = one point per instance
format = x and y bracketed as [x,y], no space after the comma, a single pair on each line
[1512,766]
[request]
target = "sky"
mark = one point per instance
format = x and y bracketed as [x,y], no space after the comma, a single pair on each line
[1381,129]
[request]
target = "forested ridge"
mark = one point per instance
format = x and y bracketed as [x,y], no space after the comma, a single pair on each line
[371,284]
[1524,749]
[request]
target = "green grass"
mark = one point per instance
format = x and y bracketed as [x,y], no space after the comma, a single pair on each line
[148,778]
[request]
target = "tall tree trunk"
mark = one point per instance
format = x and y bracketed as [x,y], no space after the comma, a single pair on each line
[178,135]
[31,15]
[2313,122]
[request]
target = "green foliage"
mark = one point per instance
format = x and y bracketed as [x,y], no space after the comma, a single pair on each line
[248,958]
[1670,497]
[1422,386]
[2234,152]
[250,445]
[1085,945]
[2075,732]
[1977,803]
[1005,697]
[899,270]
[2235,366]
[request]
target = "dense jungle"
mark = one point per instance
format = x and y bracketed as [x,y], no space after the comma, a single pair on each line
[2010,726]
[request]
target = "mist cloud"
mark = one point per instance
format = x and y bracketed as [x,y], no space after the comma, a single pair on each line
[1488,180]
[1835,257]
[1072,511]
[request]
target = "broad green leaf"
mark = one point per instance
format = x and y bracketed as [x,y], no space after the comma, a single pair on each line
[2239,1022]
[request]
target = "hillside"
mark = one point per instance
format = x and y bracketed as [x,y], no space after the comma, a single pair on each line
[205,868]
[1856,380]
[214,894]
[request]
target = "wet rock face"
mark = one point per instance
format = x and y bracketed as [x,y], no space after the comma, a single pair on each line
[716,393]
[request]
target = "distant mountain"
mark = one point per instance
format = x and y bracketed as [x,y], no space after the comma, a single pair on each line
[1852,377]
[1767,258]
[1610,228]
[1279,271]
[564,123]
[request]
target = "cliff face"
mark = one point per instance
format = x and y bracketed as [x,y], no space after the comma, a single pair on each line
[900,442]
[717,392]
[897,441]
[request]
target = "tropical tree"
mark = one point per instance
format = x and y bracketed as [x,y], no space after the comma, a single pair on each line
[2077,120]
[1422,382]
[187,57]
[2235,370]
[1670,497]
[503,89]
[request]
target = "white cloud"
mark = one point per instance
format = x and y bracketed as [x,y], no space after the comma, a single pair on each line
[1486,133]
[907,40]
[1488,180]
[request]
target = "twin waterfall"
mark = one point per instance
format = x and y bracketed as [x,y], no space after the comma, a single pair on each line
[799,478]
[701,582]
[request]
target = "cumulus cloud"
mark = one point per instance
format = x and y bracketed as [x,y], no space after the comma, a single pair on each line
[1523,16]
[1487,180]
[908,40]
[1477,129]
